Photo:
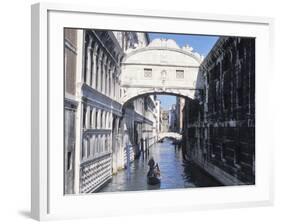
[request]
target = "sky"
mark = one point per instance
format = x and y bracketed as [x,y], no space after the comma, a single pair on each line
[200,44]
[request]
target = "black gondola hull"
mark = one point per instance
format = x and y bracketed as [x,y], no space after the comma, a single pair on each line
[153,180]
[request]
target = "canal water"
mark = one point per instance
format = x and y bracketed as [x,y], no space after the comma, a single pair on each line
[175,172]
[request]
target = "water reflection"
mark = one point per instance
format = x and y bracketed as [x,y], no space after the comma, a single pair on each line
[175,173]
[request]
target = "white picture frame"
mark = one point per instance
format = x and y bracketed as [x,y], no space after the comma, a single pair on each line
[48,201]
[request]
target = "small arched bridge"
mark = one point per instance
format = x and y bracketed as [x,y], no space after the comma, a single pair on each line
[173,135]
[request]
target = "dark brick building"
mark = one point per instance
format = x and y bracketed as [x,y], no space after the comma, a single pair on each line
[220,123]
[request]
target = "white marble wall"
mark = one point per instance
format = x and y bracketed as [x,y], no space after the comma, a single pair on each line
[162,66]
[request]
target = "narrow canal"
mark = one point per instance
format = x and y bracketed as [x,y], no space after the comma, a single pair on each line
[175,172]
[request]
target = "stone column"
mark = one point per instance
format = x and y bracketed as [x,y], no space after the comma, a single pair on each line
[117,84]
[106,143]
[107,79]
[102,144]
[84,148]
[89,61]
[117,89]
[98,118]
[79,113]
[98,144]
[101,76]
[109,120]
[92,145]
[95,146]
[88,114]
[93,118]
[112,82]
[110,136]
[94,65]
[99,72]
[88,147]
[104,74]
[103,119]
[106,120]
[98,75]
[114,87]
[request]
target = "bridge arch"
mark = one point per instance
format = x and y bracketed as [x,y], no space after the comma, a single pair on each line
[147,92]
[161,67]
[174,135]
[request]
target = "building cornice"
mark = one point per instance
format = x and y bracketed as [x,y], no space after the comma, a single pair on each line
[188,53]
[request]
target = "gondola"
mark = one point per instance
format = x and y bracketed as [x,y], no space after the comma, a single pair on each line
[153,175]
[152,180]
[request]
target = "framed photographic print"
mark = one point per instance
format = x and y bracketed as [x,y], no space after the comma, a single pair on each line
[148,111]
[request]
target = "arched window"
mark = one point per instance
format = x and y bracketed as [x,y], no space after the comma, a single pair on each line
[96,120]
[93,123]
[98,143]
[93,64]
[87,57]
[103,141]
[88,117]
[109,83]
[102,119]
[88,147]
[99,118]
[107,120]
[105,78]
[101,72]
[91,117]
[95,146]
[84,117]
[106,143]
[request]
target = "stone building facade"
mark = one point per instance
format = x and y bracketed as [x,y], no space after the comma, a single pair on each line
[72,48]
[219,126]
[158,116]
[180,102]
[97,126]
[141,120]
[164,120]
[173,118]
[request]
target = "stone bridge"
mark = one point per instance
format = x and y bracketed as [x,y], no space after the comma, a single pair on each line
[162,67]
[173,135]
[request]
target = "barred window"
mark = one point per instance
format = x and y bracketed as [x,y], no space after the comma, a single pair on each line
[179,74]
[148,72]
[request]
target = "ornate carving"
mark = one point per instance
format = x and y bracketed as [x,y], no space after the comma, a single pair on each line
[163,74]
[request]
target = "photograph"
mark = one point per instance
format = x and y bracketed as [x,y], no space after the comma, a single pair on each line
[146,111]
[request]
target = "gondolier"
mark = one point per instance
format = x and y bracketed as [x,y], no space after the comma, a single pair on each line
[153,175]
